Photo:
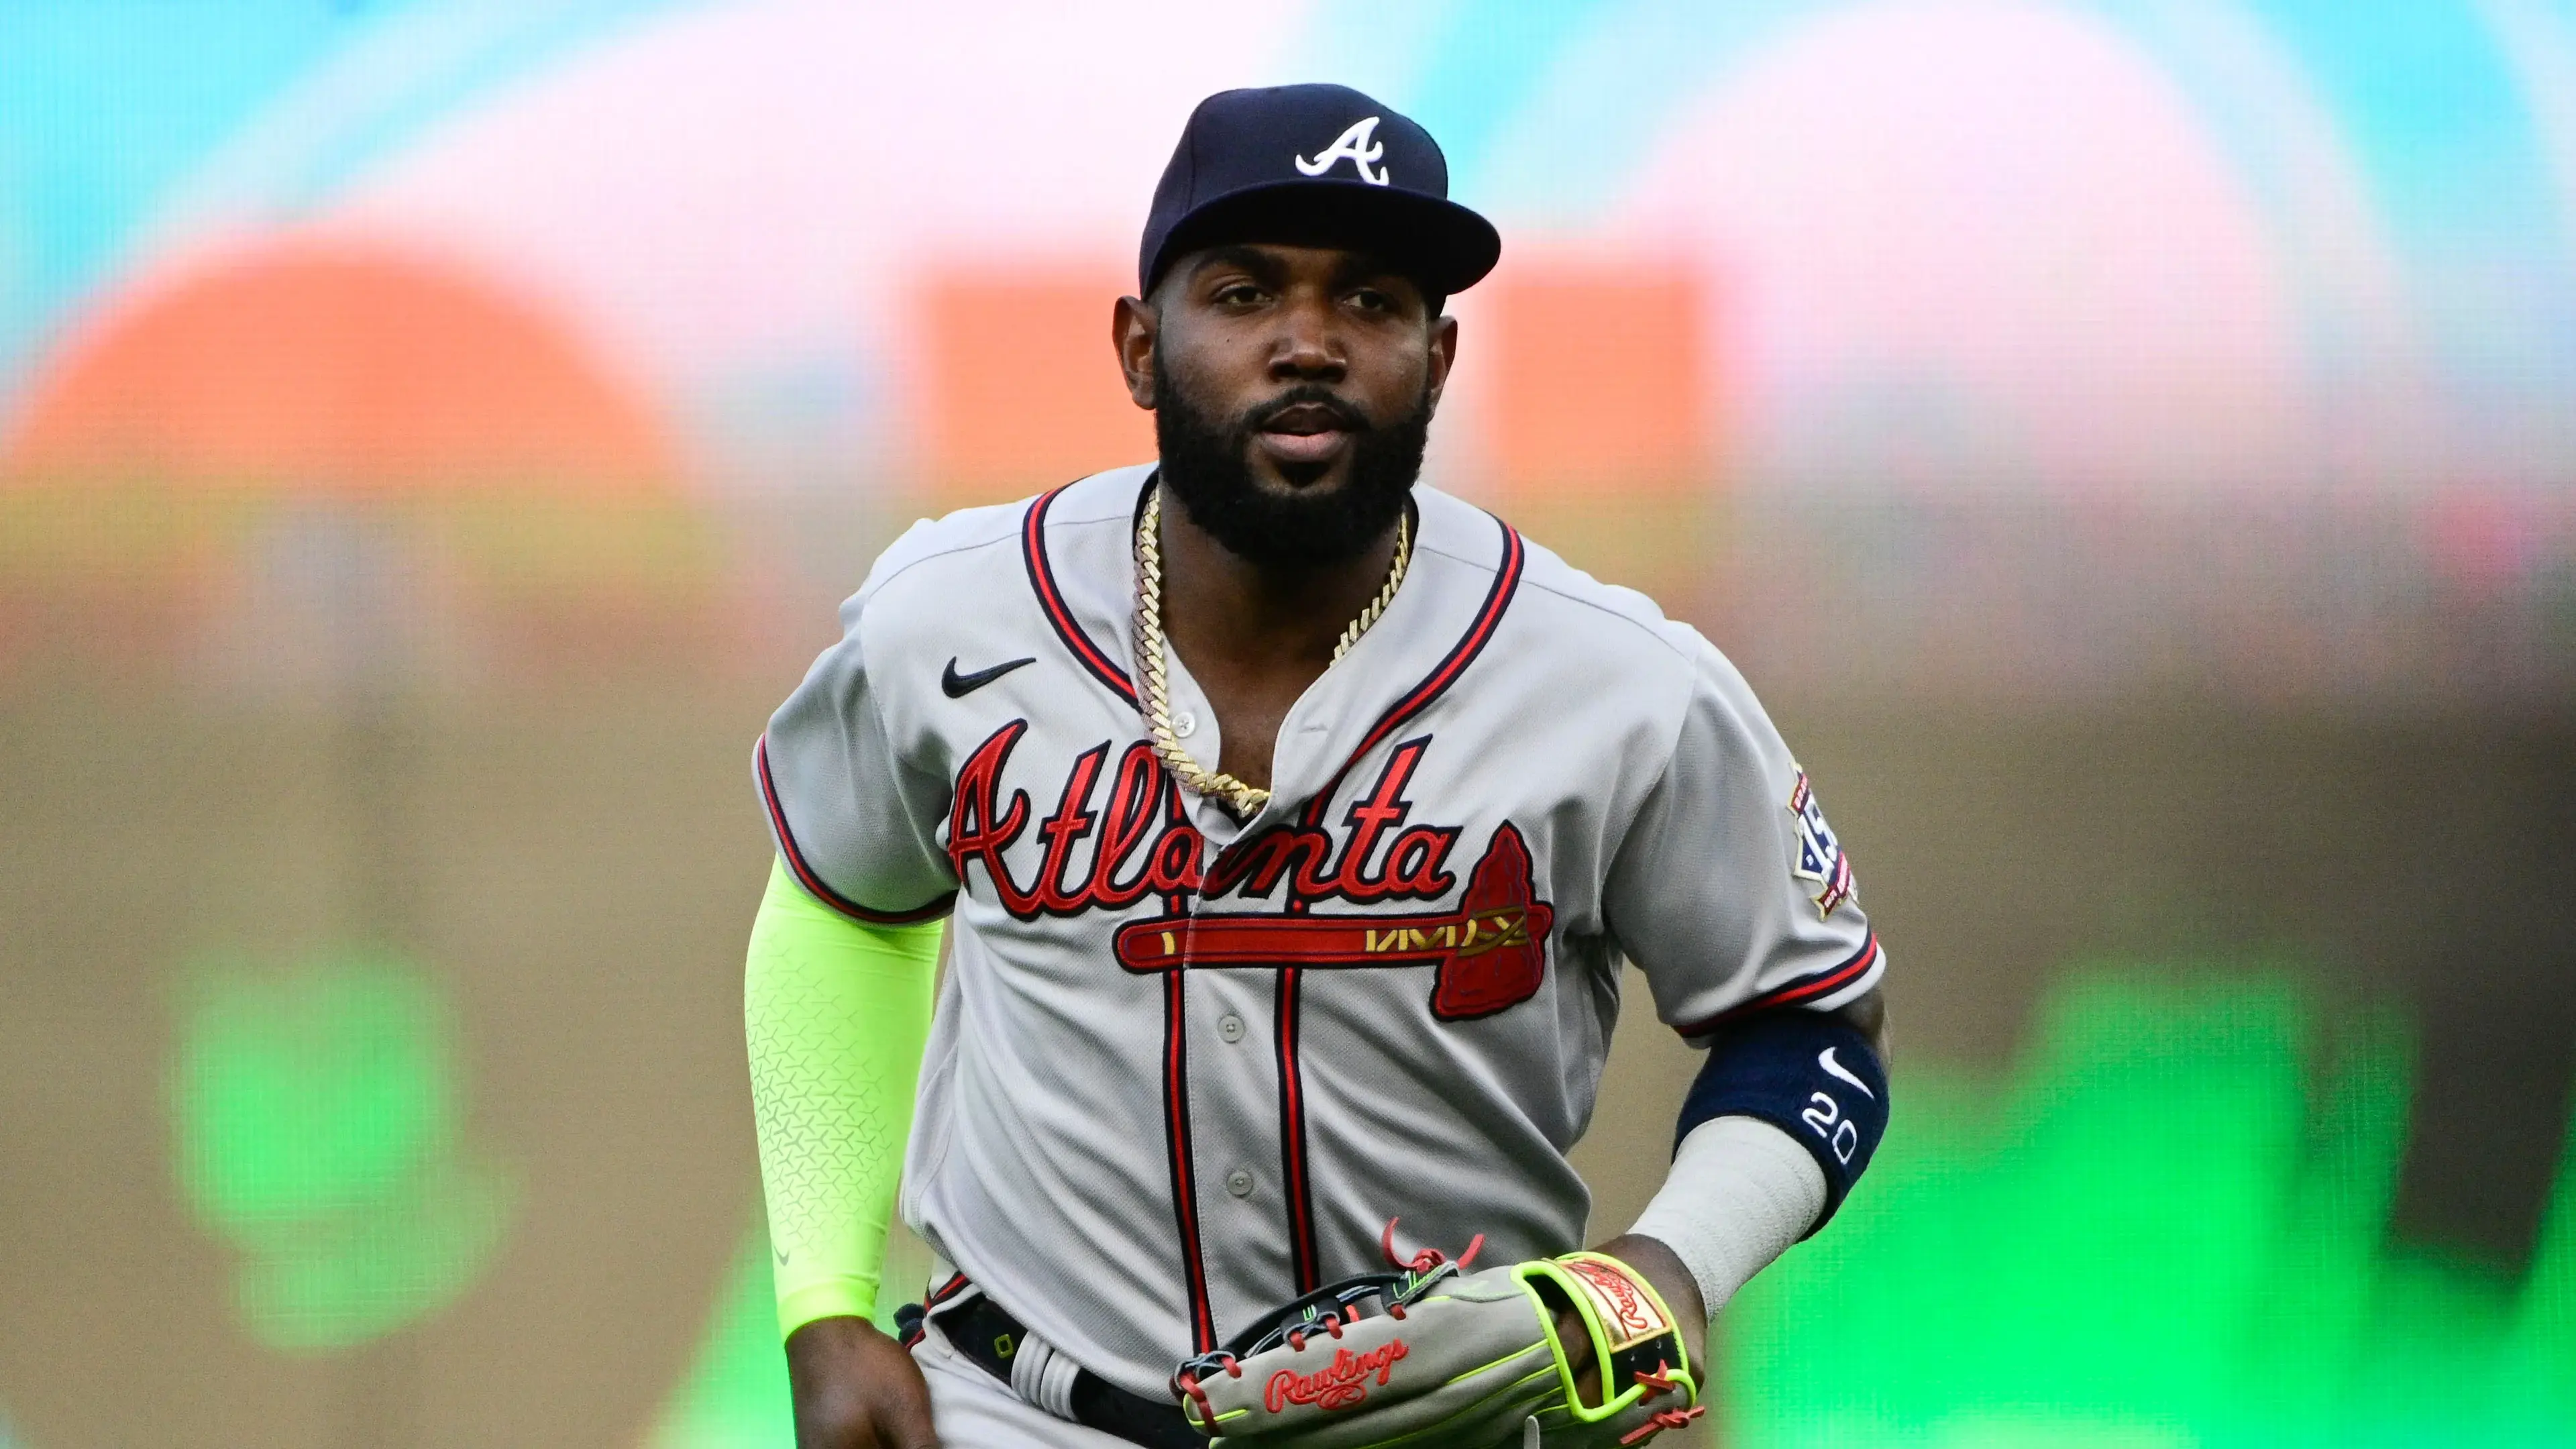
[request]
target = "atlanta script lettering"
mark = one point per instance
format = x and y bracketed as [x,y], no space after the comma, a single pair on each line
[1143,844]
[1489,951]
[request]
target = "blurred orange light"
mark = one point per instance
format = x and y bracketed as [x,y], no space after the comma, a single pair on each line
[1020,381]
[1602,378]
[337,369]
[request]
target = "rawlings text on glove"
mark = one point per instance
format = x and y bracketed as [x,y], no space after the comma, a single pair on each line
[1432,1355]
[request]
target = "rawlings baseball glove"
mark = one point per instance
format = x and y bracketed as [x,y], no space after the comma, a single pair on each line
[1431,1356]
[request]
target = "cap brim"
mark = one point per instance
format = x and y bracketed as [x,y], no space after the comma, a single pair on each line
[1440,244]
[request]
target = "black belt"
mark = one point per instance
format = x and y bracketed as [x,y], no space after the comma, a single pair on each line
[987,1333]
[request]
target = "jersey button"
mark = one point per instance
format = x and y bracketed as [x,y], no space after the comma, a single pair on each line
[1239,1182]
[1230,1026]
[1185,724]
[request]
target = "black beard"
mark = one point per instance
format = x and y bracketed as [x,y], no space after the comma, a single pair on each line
[1207,465]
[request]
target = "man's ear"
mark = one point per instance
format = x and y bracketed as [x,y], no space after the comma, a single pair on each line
[1135,329]
[1444,354]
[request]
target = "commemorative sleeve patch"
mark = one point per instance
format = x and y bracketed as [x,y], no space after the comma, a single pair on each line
[1821,859]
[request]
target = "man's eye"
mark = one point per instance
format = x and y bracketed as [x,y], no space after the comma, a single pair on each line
[1369,299]
[1239,294]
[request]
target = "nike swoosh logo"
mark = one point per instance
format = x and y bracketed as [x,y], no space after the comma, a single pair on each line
[782,1256]
[1826,1060]
[958,686]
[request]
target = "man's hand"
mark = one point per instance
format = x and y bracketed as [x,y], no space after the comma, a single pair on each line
[855,1388]
[1663,1269]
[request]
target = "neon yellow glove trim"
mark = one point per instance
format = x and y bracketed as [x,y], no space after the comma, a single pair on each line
[835,1013]
[1586,1300]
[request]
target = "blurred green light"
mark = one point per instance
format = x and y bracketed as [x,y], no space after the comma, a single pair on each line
[2166,1229]
[316,1134]
[737,1396]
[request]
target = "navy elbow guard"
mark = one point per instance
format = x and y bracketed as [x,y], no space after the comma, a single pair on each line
[1813,1076]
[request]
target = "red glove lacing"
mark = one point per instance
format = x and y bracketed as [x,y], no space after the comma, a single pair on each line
[1657,1384]
[1424,1261]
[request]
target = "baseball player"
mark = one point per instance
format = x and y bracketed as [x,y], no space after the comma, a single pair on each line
[1291,824]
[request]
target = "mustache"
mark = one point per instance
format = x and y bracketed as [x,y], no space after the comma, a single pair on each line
[1306,394]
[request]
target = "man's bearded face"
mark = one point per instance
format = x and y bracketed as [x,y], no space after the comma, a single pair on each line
[1207,463]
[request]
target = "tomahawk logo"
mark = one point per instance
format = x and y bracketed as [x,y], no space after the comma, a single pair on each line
[1356,145]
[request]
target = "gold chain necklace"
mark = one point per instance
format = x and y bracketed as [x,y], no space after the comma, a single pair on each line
[1244,800]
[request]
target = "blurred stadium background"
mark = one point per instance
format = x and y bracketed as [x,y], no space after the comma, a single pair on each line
[2130,443]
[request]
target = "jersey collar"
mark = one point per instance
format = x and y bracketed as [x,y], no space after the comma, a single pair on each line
[1076,544]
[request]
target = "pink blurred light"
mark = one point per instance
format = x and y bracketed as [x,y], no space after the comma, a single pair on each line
[750,184]
[1982,242]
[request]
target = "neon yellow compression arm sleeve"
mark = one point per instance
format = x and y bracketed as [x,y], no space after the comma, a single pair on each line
[836,1014]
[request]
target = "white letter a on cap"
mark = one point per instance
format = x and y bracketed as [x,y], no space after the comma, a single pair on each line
[1354,144]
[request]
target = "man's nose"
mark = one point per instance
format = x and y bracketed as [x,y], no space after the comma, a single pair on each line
[1309,346]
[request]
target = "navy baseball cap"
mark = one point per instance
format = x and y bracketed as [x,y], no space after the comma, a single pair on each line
[1317,164]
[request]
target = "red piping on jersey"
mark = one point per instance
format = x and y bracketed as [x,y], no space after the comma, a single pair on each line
[1292,1093]
[1176,1101]
[813,883]
[1185,1207]
[1292,1136]
[1507,582]
[1051,602]
[1796,992]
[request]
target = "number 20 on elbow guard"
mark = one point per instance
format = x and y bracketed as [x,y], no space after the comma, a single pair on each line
[1826,1116]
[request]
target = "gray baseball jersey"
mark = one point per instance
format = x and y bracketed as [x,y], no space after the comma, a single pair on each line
[1185,1067]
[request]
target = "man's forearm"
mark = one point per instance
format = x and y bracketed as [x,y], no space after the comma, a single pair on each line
[1742,1188]
[1741,1192]
[835,1014]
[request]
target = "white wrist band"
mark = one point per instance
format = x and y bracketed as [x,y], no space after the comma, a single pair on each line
[1740,1192]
